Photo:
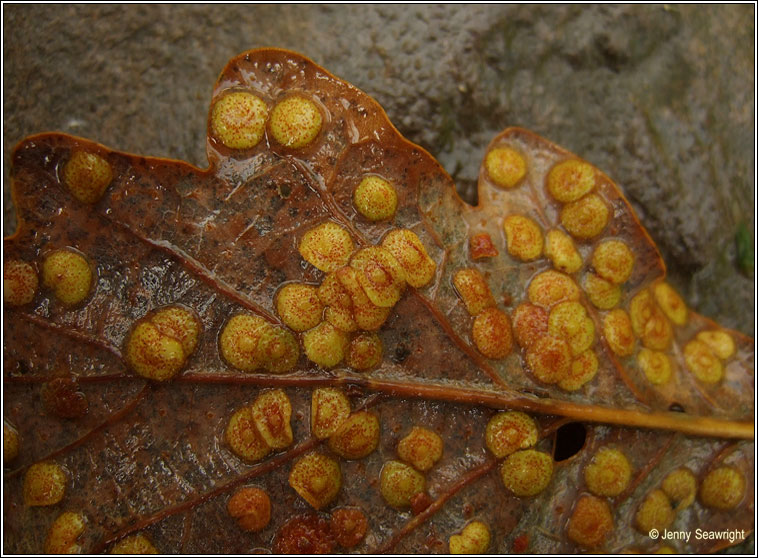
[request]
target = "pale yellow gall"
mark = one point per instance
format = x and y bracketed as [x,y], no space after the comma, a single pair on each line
[680,486]
[327,246]
[317,479]
[510,431]
[700,360]
[591,522]
[271,413]
[561,250]
[339,305]
[87,176]
[529,323]
[251,507]
[375,198]
[243,437]
[474,539]
[549,359]
[399,483]
[723,488]
[325,345]
[357,436]
[180,324]
[492,333]
[583,369]
[505,166]
[523,237]
[473,289]
[569,321]
[299,306]
[342,317]
[527,472]
[603,294]
[239,341]
[134,544]
[551,287]
[44,484]
[570,180]
[655,365]
[609,473]
[278,349]
[380,275]
[238,120]
[422,448]
[366,314]
[671,303]
[19,283]
[649,322]
[585,218]
[617,329]
[10,442]
[655,512]
[410,252]
[613,261]
[330,407]
[69,275]
[364,351]
[720,342]
[61,538]
[295,122]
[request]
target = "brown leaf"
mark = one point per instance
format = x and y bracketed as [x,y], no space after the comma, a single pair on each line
[126,268]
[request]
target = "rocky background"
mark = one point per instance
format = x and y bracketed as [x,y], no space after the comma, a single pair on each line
[661,98]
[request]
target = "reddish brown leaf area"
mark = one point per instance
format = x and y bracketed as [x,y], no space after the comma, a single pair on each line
[150,371]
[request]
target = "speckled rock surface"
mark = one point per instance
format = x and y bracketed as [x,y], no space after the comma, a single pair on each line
[659,98]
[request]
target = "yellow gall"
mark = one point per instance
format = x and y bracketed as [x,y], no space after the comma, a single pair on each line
[239,341]
[278,349]
[720,342]
[591,522]
[380,275]
[19,283]
[271,412]
[617,329]
[317,479]
[399,483]
[357,436]
[410,252]
[549,359]
[339,306]
[10,442]
[655,512]
[585,218]
[422,448]
[366,314]
[180,324]
[44,484]
[325,345]
[61,538]
[551,287]
[327,246]
[375,198]
[330,407]
[527,472]
[492,333]
[529,323]
[700,360]
[342,317]
[649,322]
[613,261]
[251,507]
[152,355]
[474,539]
[69,275]
[510,431]
[655,365]
[569,321]
[472,287]
[86,176]
[364,351]
[523,237]
[295,122]
[671,303]
[680,486]
[570,180]
[603,294]
[299,306]
[505,166]
[135,544]
[561,250]
[609,473]
[243,437]
[238,120]
[723,488]
[583,369]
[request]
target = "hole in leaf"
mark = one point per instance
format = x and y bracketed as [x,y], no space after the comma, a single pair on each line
[569,439]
